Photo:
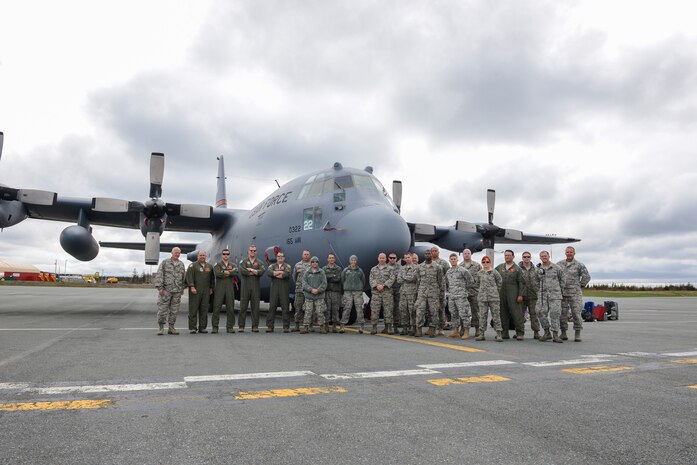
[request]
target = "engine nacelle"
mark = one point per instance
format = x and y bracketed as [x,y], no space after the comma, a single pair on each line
[11,213]
[79,243]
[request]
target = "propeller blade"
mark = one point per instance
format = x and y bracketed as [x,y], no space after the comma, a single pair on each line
[490,253]
[157,171]
[513,234]
[190,210]
[2,141]
[152,248]
[36,197]
[465,226]
[424,229]
[106,205]
[397,194]
[490,202]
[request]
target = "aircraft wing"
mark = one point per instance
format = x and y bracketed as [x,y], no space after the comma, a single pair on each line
[537,239]
[185,247]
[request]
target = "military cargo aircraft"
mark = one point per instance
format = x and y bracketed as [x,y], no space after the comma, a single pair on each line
[336,209]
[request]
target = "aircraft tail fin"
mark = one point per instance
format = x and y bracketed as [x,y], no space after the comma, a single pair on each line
[221,196]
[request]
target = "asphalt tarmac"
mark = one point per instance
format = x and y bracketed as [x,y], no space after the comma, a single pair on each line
[85,380]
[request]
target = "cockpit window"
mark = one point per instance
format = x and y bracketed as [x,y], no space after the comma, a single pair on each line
[344,182]
[316,185]
[363,182]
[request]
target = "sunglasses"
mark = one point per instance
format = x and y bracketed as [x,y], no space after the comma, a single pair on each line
[226,253]
[393,258]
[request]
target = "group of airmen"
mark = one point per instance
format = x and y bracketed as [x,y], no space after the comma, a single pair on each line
[411,295]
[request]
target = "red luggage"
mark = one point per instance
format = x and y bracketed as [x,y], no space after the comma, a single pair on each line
[599,312]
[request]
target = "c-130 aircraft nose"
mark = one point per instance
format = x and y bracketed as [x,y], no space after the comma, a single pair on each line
[369,230]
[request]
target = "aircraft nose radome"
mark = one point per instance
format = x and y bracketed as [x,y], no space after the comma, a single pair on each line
[371,230]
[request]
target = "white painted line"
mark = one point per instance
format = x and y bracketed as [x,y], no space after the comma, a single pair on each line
[682,354]
[14,385]
[638,354]
[51,329]
[567,362]
[485,363]
[278,374]
[379,374]
[151,328]
[599,355]
[108,388]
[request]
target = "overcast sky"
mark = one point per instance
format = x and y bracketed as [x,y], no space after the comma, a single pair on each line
[581,114]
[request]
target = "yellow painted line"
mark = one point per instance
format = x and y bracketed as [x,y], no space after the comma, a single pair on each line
[468,380]
[421,341]
[61,405]
[251,395]
[596,369]
[693,387]
[687,361]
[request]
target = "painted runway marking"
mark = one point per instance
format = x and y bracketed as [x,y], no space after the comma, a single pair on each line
[267,394]
[468,380]
[682,354]
[107,388]
[421,341]
[51,329]
[64,405]
[485,363]
[14,385]
[379,374]
[687,361]
[693,387]
[278,374]
[567,362]
[596,369]
[638,354]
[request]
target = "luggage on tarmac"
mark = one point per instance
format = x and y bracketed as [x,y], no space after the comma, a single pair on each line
[611,310]
[587,313]
[599,312]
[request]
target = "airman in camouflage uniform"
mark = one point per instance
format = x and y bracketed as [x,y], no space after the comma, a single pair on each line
[279,273]
[251,269]
[314,286]
[490,283]
[459,280]
[473,267]
[431,285]
[550,279]
[170,283]
[408,279]
[381,280]
[200,279]
[576,276]
[299,303]
[353,282]
[530,299]
[395,266]
[512,294]
[445,266]
[225,272]
[333,295]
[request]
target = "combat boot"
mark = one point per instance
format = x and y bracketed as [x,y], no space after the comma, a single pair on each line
[417,332]
[498,336]
[173,330]
[323,329]
[454,334]
[412,330]
[577,335]
[519,336]
[269,329]
[564,337]
[341,329]
[536,335]
[556,338]
[386,329]
[230,330]
[296,329]
[431,331]
[546,336]
[480,335]
[390,329]
[286,329]
[404,331]
[361,329]
[214,330]
[441,332]
[335,328]
[374,330]
[161,331]
[465,334]
[305,329]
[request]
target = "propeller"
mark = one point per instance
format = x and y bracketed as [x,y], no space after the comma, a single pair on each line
[2,141]
[31,196]
[154,211]
[489,231]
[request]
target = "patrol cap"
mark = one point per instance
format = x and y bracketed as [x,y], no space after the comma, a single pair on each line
[352,257]
[314,259]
